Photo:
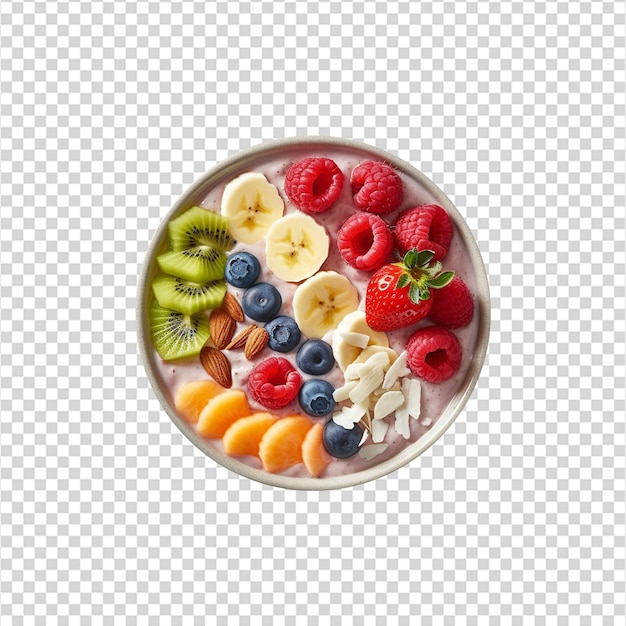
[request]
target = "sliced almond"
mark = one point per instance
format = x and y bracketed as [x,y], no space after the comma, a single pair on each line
[217,366]
[379,430]
[256,341]
[239,340]
[388,403]
[396,370]
[343,393]
[412,390]
[222,328]
[358,340]
[231,305]
[370,451]
[367,384]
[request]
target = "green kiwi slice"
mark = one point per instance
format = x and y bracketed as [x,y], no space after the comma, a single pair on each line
[186,296]
[198,227]
[199,265]
[176,335]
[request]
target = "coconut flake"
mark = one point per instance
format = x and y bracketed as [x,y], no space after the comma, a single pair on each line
[396,370]
[343,393]
[388,403]
[413,394]
[402,422]
[367,384]
[379,430]
[372,450]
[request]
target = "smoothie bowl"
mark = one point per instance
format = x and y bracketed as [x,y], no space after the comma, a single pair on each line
[313,313]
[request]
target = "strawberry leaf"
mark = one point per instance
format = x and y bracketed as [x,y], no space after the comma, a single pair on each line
[415,293]
[411,258]
[403,281]
[440,281]
[423,258]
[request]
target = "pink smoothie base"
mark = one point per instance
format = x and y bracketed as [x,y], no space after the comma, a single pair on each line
[440,403]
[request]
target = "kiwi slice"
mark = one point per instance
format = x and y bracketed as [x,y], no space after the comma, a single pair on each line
[188,297]
[199,265]
[199,227]
[176,335]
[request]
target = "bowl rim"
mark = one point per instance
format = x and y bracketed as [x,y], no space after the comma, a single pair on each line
[222,170]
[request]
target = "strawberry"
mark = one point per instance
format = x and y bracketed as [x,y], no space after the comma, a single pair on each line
[398,294]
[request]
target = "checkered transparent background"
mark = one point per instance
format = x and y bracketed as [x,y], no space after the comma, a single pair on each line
[109,110]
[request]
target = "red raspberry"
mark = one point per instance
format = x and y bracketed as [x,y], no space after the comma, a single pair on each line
[314,184]
[434,354]
[453,305]
[274,382]
[365,241]
[376,188]
[426,227]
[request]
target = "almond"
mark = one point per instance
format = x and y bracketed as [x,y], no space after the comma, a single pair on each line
[222,327]
[216,365]
[231,305]
[239,340]
[256,342]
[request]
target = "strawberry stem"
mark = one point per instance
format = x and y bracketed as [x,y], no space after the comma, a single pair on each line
[420,275]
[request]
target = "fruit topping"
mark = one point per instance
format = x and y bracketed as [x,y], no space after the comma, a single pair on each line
[284,334]
[434,353]
[274,383]
[295,247]
[185,296]
[221,412]
[261,302]
[281,445]
[316,397]
[201,264]
[345,349]
[191,397]
[243,436]
[255,343]
[341,442]
[176,335]
[322,301]
[365,241]
[314,184]
[426,227]
[242,269]
[398,294]
[314,455]
[251,204]
[199,228]
[241,338]
[231,305]
[216,365]
[376,188]
[453,305]
[315,357]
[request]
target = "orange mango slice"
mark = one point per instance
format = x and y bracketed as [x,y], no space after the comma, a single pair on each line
[314,455]
[192,397]
[243,436]
[281,445]
[221,412]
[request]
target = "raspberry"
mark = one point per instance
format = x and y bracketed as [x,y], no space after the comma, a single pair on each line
[434,353]
[365,241]
[274,383]
[376,188]
[313,184]
[426,227]
[453,305]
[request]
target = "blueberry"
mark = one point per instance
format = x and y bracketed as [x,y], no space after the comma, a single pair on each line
[341,442]
[316,397]
[315,357]
[284,334]
[261,302]
[242,269]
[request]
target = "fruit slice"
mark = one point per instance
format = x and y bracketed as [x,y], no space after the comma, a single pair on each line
[187,297]
[344,351]
[244,436]
[322,301]
[191,398]
[199,227]
[221,412]
[295,247]
[176,335]
[251,204]
[199,265]
[314,455]
[281,445]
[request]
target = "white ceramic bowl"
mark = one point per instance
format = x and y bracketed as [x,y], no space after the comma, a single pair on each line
[301,147]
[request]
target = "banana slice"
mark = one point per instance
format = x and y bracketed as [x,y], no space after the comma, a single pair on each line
[295,247]
[322,301]
[344,351]
[252,204]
